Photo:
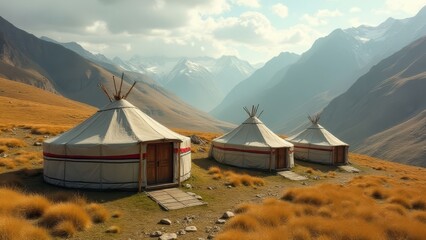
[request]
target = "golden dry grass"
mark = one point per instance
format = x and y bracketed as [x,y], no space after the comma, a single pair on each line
[380,207]
[235,179]
[61,219]
[7,163]
[64,229]
[12,228]
[19,101]
[12,142]
[3,149]
[97,212]
[61,212]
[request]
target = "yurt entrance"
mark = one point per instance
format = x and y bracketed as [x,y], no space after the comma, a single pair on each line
[339,154]
[281,160]
[159,168]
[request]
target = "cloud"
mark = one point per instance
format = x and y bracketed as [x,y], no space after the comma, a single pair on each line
[321,16]
[98,27]
[408,6]
[250,27]
[247,3]
[280,9]
[355,10]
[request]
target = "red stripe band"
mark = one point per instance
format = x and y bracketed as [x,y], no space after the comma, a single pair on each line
[119,157]
[319,149]
[183,150]
[242,150]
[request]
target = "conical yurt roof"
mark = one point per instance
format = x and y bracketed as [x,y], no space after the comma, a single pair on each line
[252,132]
[317,135]
[119,122]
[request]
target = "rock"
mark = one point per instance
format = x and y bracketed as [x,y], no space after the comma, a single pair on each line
[156,234]
[221,221]
[181,232]
[192,194]
[216,229]
[165,221]
[188,186]
[168,236]
[304,183]
[46,136]
[260,195]
[196,139]
[191,229]
[229,186]
[3,155]
[38,144]
[201,238]
[228,214]
[208,229]
[210,188]
[211,236]
[199,197]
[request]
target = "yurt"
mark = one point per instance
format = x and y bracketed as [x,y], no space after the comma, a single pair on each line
[316,144]
[253,145]
[119,147]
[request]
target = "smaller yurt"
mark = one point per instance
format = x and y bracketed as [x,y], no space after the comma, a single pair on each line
[119,147]
[253,145]
[316,144]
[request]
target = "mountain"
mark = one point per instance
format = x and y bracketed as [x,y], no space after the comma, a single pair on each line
[383,113]
[326,70]
[28,59]
[195,84]
[229,71]
[243,94]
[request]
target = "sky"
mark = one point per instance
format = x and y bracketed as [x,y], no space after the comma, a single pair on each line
[253,30]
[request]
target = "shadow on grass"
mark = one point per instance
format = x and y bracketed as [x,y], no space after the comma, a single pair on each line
[316,166]
[31,181]
[206,162]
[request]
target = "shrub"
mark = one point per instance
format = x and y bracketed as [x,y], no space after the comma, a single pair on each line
[97,212]
[245,223]
[72,212]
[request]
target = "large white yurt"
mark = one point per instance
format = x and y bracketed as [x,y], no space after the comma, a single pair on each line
[119,147]
[316,144]
[253,145]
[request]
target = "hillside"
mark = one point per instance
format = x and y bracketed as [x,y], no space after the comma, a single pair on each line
[26,58]
[21,104]
[391,94]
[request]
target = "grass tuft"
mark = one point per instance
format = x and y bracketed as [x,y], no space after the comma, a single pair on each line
[72,212]
[32,206]
[97,212]
[12,142]
[113,229]
[7,163]
[213,170]
[65,229]
[15,229]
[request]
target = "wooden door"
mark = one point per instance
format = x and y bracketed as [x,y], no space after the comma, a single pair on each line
[280,158]
[159,167]
[165,162]
[340,154]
